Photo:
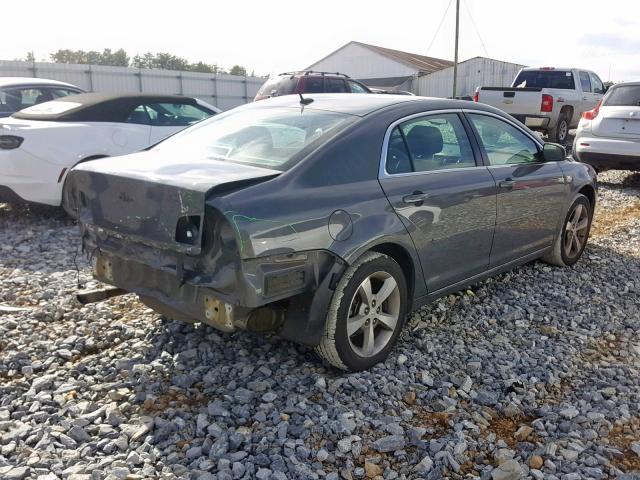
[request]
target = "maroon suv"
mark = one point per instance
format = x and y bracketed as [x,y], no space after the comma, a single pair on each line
[309,81]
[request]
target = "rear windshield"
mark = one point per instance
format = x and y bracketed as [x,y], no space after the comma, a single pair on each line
[628,96]
[274,138]
[545,79]
[277,86]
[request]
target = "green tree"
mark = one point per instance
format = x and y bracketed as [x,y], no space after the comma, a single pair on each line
[238,70]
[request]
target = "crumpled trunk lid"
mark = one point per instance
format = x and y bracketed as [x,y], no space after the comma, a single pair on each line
[151,198]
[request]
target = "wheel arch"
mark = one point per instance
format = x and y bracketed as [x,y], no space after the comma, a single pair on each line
[589,192]
[403,258]
[567,110]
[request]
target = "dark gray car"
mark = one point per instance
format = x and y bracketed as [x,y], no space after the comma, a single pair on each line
[329,218]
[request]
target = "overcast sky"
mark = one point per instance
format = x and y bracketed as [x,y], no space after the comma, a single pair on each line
[274,36]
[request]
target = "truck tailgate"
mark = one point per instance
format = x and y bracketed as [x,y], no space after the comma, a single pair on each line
[512,100]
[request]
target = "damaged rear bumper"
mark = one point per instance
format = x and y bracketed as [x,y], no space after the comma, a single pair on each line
[288,293]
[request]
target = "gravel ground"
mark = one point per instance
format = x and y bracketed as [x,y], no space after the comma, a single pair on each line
[532,374]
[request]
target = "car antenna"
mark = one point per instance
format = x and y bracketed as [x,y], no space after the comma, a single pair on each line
[305,101]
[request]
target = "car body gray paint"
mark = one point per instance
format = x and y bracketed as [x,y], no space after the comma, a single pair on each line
[273,215]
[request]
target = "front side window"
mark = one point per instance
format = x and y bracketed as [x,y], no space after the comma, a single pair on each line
[167,114]
[598,87]
[175,114]
[139,115]
[430,143]
[503,143]
[585,83]
[356,87]
[266,137]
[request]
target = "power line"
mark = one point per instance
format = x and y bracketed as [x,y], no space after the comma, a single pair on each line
[439,26]
[475,27]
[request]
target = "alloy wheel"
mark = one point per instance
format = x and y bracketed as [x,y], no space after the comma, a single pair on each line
[374,314]
[576,231]
[563,129]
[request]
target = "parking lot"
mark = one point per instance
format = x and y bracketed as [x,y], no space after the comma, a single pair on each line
[534,372]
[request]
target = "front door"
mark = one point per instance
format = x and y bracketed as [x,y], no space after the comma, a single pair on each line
[530,191]
[446,201]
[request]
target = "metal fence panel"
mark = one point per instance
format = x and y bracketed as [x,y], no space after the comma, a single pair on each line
[224,91]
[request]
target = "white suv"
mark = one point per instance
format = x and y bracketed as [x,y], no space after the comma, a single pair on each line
[608,137]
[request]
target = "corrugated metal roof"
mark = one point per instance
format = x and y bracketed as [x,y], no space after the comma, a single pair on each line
[420,62]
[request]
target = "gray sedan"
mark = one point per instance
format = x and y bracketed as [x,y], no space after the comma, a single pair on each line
[327,218]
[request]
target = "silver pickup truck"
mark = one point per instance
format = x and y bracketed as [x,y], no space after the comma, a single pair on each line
[550,100]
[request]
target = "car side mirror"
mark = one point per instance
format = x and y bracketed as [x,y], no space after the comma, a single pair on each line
[552,152]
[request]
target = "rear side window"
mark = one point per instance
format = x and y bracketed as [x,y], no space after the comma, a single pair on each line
[503,143]
[62,92]
[434,142]
[313,84]
[277,86]
[545,79]
[585,83]
[14,99]
[624,96]
[335,85]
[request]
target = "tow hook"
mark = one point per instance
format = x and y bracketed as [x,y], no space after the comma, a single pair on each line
[93,296]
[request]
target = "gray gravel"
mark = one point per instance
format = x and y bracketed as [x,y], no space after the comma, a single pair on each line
[532,374]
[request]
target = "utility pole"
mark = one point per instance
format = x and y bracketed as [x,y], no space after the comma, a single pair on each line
[455,57]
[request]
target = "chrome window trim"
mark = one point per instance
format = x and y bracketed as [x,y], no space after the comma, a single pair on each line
[382,170]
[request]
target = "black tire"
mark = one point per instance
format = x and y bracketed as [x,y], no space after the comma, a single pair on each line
[560,132]
[559,255]
[340,349]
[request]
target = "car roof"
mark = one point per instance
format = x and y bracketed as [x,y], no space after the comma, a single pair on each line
[625,84]
[18,81]
[362,104]
[105,107]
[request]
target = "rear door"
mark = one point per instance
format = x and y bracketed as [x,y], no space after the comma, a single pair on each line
[531,192]
[445,199]
[588,100]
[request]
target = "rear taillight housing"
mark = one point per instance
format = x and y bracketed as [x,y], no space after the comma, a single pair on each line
[591,114]
[9,142]
[547,103]
[476,97]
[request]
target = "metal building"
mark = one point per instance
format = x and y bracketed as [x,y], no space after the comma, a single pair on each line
[427,76]
[472,73]
[378,66]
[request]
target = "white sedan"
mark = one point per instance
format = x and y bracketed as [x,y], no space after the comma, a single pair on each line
[40,144]
[17,93]
[608,137]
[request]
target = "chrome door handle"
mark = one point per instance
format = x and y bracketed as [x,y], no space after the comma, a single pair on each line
[508,183]
[415,197]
